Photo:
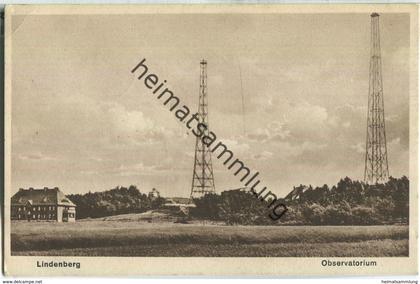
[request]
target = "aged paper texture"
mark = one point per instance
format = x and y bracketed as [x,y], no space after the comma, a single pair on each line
[211,140]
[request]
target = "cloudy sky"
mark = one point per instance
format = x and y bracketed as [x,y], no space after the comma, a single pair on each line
[287,93]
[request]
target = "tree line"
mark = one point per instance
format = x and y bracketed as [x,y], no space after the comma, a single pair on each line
[347,203]
[120,200]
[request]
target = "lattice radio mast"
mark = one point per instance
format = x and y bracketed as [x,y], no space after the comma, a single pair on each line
[376,158]
[203,180]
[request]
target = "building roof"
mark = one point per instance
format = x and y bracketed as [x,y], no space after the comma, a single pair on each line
[181,200]
[45,196]
[179,205]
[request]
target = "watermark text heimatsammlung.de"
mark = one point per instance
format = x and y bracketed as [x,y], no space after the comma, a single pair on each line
[183,114]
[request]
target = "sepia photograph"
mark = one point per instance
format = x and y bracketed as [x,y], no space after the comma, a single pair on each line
[145,134]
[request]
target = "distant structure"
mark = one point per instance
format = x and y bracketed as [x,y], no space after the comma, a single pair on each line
[296,193]
[47,204]
[202,180]
[178,204]
[376,157]
[154,194]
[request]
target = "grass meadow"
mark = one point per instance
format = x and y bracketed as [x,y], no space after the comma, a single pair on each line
[125,238]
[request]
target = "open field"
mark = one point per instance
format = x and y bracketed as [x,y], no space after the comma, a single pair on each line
[127,238]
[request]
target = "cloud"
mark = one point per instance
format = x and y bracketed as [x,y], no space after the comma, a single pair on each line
[190,154]
[130,121]
[305,116]
[359,147]
[395,141]
[235,146]
[276,131]
[36,157]
[90,172]
[265,155]
[134,170]
[135,127]
[296,122]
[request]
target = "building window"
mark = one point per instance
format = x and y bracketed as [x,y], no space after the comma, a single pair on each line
[33,216]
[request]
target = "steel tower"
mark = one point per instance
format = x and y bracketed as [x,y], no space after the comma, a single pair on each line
[203,180]
[376,158]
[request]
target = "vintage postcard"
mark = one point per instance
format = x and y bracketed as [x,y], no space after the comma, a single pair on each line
[211,140]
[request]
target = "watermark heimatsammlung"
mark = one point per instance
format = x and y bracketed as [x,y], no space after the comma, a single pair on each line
[183,114]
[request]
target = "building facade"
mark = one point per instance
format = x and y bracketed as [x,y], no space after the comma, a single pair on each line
[47,204]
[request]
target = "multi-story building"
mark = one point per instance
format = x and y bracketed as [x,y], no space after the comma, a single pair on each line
[47,204]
